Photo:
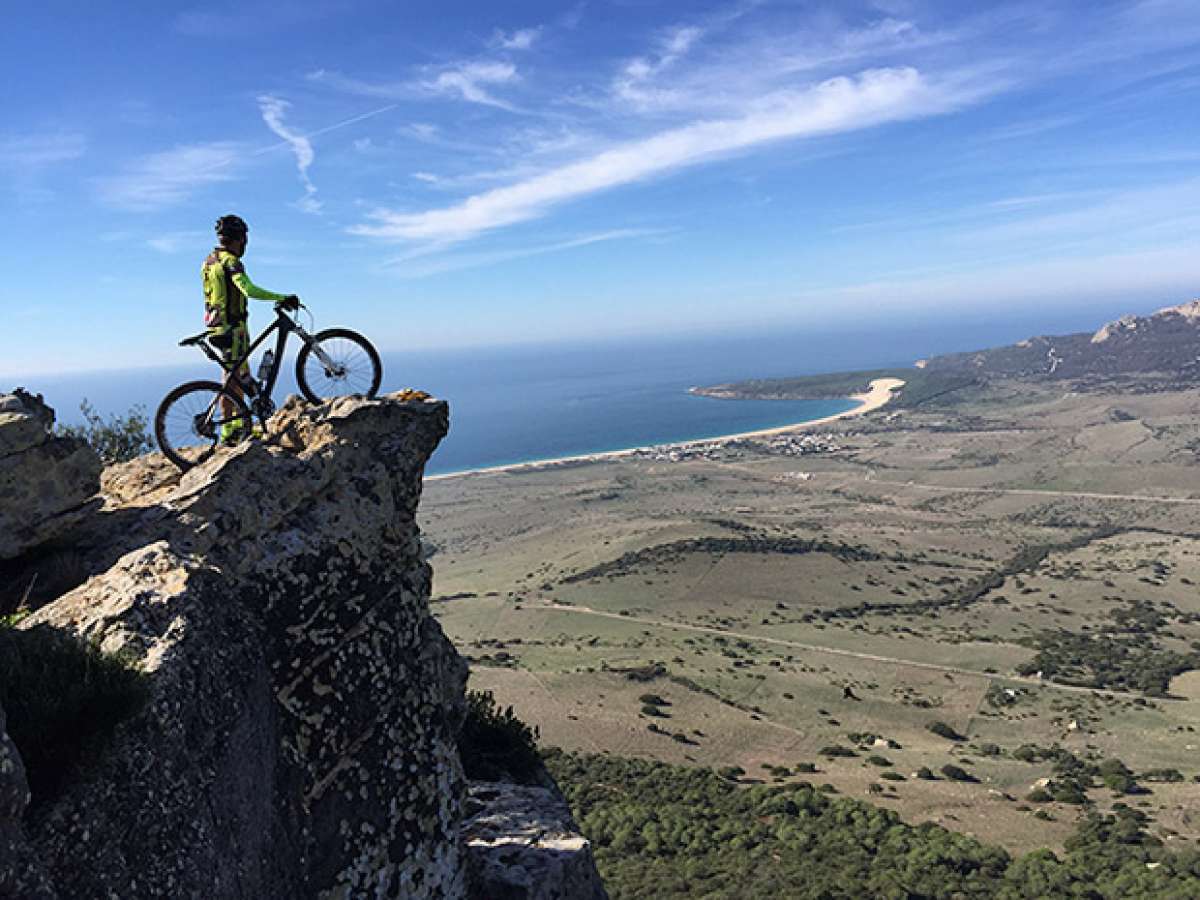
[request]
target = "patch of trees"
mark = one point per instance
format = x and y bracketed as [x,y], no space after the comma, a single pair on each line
[675,832]
[720,545]
[1108,662]
[1073,776]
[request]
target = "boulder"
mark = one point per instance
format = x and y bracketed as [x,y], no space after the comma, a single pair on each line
[522,844]
[46,481]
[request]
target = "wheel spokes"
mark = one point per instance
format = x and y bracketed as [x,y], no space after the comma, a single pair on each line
[345,369]
[195,422]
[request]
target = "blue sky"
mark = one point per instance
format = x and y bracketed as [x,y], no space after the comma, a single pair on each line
[456,174]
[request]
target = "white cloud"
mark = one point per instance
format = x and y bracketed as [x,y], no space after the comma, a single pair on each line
[1173,207]
[33,151]
[273,110]
[836,105]
[521,39]
[632,83]
[171,176]
[465,80]
[422,130]
[411,267]
[388,90]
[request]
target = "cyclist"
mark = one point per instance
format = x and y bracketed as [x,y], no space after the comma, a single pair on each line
[226,287]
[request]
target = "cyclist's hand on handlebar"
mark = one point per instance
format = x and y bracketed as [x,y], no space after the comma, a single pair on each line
[291,303]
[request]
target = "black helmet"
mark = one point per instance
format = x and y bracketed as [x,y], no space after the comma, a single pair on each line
[231,227]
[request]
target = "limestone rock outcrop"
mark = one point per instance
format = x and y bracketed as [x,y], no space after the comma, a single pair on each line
[299,736]
[45,479]
[299,740]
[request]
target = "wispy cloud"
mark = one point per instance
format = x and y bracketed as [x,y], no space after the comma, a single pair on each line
[163,179]
[633,82]
[1173,207]
[836,105]
[34,151]
[410,266]
[173,242]
[521,39]
[273,109]
[471,81]
[468,79]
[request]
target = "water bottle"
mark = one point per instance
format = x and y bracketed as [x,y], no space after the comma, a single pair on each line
[264,367]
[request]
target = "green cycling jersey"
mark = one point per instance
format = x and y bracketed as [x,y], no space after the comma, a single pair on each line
[226,287]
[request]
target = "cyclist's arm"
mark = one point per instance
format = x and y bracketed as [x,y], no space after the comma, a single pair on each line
[250,289]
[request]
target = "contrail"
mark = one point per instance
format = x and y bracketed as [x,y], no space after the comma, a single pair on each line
[327,128]
[233,157]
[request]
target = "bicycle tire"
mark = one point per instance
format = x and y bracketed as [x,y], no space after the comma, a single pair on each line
[347,348]
[178,419]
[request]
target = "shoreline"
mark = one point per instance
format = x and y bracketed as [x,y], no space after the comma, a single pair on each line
[877,395]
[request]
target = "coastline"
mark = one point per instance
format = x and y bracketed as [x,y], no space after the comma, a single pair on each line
[877,395]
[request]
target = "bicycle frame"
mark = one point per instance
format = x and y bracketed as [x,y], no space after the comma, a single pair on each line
[249,386]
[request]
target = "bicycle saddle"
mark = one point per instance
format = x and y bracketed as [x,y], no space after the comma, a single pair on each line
[193,340]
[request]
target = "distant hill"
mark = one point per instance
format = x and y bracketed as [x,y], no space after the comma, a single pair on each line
[1166,344]
[1166,341]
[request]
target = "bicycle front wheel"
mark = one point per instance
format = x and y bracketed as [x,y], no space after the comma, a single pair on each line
[192,420]
[338,363]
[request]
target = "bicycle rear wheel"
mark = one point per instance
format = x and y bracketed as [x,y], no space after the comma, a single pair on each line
[337,363]
[191,419]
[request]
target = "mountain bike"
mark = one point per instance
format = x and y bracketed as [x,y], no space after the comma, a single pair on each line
[196,417]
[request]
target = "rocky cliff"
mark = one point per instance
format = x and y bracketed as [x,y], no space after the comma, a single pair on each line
[298,739]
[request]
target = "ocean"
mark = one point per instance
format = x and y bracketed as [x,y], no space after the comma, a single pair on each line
[524,403]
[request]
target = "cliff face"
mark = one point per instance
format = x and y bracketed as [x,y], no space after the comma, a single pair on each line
[299,738]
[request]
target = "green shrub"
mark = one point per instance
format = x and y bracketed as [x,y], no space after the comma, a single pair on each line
[1165,776]
[881,761]
[955,773]
[837,750]
[63,699]
[494,744]
[941,729]
[891,776]
[119,439]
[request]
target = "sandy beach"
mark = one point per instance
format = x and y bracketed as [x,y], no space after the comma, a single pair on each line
[877,395]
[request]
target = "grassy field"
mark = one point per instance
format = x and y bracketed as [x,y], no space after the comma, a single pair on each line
[927,572]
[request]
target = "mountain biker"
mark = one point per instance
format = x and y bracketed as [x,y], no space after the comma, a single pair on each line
[226,287]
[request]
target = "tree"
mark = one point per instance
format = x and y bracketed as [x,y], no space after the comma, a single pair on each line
[119,439]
